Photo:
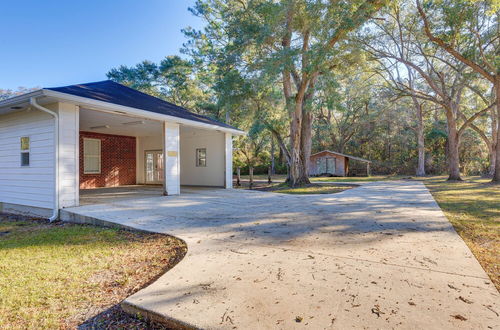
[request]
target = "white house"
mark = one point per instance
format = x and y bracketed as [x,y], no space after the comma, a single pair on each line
[56,141]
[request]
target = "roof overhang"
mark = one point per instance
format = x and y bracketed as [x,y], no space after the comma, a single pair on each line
[108,107]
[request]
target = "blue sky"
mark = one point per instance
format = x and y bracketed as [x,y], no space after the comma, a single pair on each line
[55,43]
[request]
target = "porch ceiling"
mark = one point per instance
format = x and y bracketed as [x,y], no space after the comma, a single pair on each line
[117,124]
[108,123]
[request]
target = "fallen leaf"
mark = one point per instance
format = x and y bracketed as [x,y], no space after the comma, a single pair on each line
[376,310]
[465,300]
[459,317]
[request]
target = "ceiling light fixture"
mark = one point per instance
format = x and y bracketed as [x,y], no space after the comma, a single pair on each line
[138,122]
[99,127]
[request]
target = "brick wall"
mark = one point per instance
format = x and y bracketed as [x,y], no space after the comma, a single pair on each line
[118,161]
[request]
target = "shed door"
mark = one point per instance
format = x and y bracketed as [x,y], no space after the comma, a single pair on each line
[320,166]
[330,165]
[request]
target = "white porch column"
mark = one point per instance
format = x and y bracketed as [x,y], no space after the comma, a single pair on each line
[69,158]
[171,169]
[229,160]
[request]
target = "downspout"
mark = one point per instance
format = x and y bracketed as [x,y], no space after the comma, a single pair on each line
[55,212]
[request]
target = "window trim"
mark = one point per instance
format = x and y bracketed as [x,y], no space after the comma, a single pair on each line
[99,157]
[198,157]
[25,151]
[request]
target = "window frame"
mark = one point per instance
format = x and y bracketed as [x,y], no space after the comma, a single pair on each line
[25,151]
[198,158]
[98,156]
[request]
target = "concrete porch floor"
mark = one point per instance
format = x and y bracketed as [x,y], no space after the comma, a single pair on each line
[129,192]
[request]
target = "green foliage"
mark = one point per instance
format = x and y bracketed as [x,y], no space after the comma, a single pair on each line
[173,79]
[234,66]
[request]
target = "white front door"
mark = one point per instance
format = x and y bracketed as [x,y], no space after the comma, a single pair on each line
[154,166]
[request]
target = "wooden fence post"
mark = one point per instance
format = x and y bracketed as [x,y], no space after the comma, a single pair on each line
[269,173]
[250,171]
[368,170]
[238,177]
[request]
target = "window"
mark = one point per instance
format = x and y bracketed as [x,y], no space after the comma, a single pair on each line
[201,157]
[91,156]
[25,151]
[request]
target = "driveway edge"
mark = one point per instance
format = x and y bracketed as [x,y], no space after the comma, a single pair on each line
[127,307]
[137,311]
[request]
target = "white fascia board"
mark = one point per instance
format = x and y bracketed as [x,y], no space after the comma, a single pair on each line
[111,107]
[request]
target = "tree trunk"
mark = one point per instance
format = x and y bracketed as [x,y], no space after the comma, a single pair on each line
[306,145]
[421,152]
[496,175]
[273,171]
[420,142]
[494,137]
[250,173]
[453,156]
[300,140]
[295,159]
[493,160]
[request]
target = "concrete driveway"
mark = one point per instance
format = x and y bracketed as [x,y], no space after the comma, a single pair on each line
[381,255]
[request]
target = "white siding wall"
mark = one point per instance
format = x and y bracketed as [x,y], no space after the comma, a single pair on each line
[33,185]
[171,157]
[214,173]
[68,155]
[229,160]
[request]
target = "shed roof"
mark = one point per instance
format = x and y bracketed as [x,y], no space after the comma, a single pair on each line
[112,92]
[343,155]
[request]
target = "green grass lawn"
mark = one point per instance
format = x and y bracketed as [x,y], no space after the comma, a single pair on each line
[473,207]
[58,276]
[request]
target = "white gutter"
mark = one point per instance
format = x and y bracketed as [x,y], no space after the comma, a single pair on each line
[55,212]
[116,108]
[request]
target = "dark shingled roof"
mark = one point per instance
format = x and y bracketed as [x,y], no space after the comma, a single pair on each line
[112,92]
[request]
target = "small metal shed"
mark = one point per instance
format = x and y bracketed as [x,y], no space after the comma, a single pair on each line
[328,162]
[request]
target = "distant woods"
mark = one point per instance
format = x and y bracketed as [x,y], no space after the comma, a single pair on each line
[8,93]
[411,85]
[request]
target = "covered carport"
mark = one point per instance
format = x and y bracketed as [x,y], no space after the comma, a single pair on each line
[105,135]
[122,156]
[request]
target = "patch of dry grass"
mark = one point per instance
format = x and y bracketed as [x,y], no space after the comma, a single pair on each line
[60,275]
[282,177]
[473,207]
[313,188]
[372,178]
